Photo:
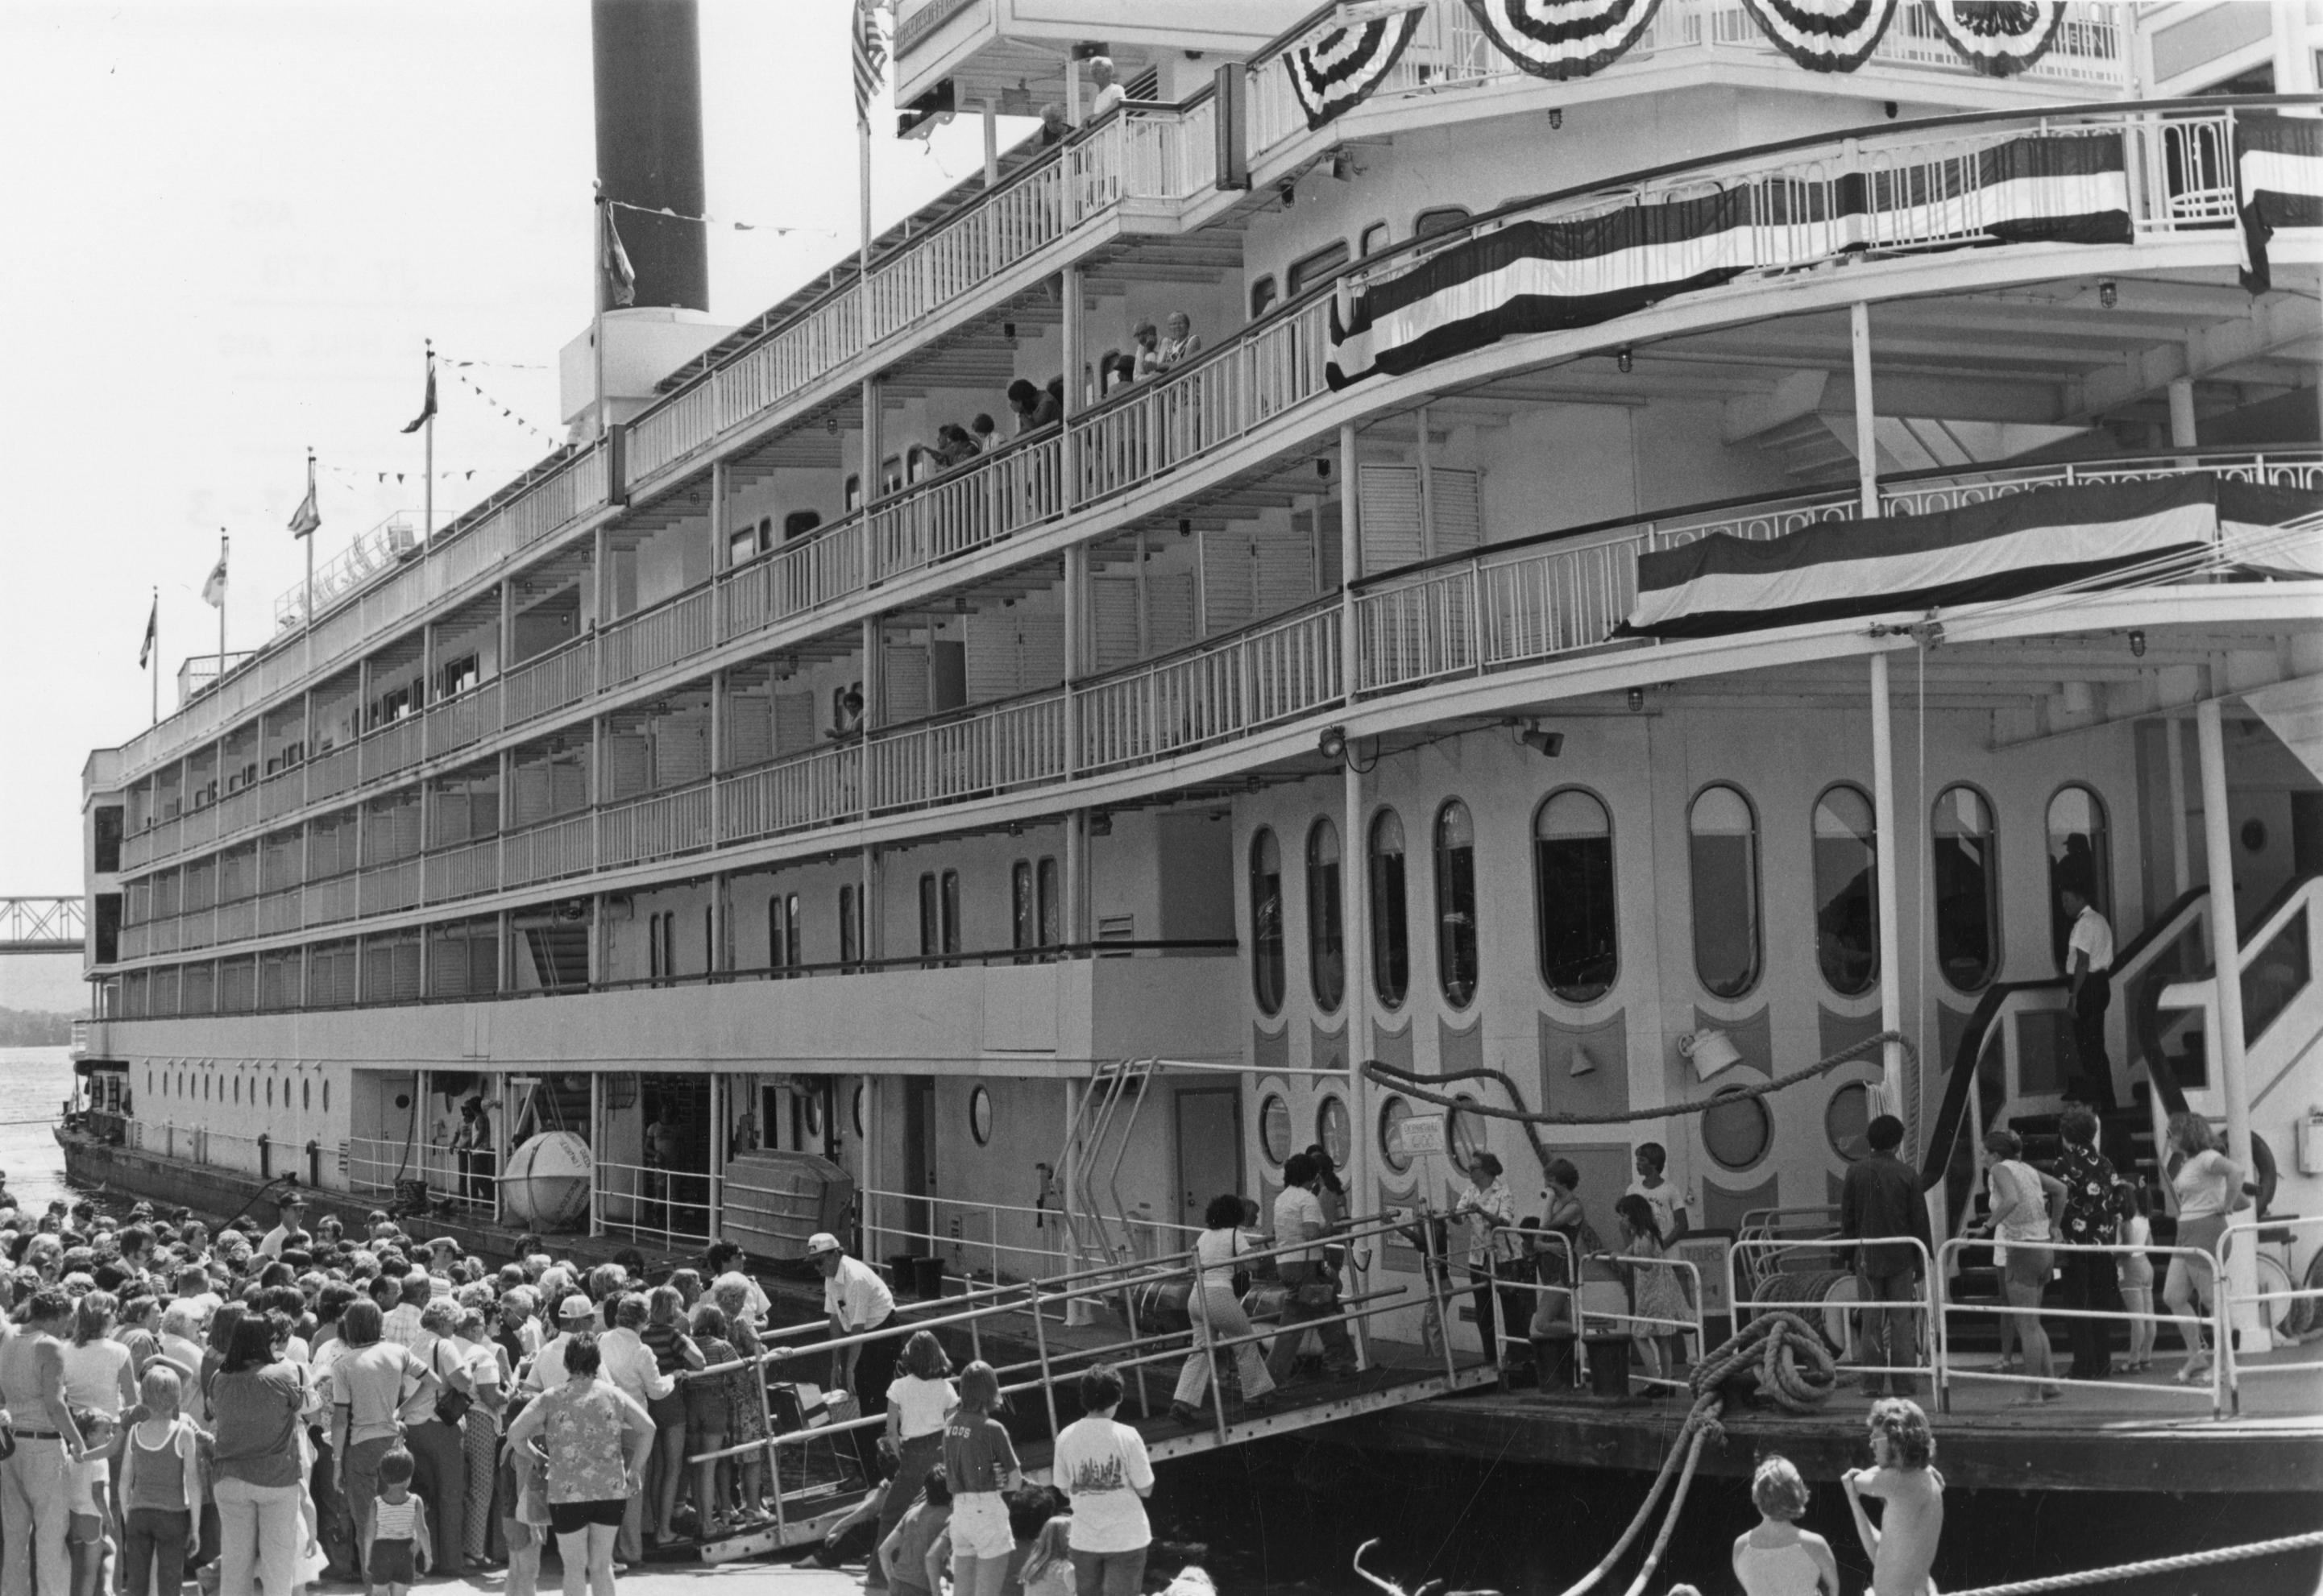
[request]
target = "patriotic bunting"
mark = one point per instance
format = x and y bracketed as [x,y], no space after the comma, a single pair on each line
[1564,37]
[2003,548]
[1335,69]
[1549,276]
[1823,36]
[2278,180]
[1999,38]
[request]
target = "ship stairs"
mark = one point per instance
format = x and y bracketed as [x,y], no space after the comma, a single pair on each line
[1139,1315]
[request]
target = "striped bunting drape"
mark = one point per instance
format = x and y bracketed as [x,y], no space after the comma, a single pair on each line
[1540,276]
[1335,68]
[2278,180]
[1563,38]
[1999,38]
[2008,547]
[1823,36]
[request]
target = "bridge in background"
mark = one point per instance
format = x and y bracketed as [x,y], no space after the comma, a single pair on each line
[42,925]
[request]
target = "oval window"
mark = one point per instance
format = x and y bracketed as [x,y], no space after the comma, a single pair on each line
[305,1095]
[1327,942]
[1845,1119]
[1274,1128]
[1266,921]
[327,1096]
[1331,1129]
[857,1110]
[1393,1111]
[1846,891]
[2078,863]
[1390,931]
[1456,903]
[1736,1130]
[270,1092]
[979,1115]
[1572,895]
[1724,851]
[1966,870]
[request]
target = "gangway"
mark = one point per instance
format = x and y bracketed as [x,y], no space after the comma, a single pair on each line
[1142,1316]
[42,925]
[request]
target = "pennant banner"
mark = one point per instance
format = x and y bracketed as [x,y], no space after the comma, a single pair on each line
[2279,183]
[1563,38]
[1823,36]
[1541,277]
[1335,68]
[1999,38]
[2003,548]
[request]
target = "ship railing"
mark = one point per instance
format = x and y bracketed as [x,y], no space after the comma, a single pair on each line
[1547,1273]
[651,1202]
[1951,1371]
[2276,1298]
[388,1166]
[550,682]
[658,826]
[1801,1275]
[956,1230]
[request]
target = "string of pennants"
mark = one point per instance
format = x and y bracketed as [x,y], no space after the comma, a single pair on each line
[1349,54]
[469,383]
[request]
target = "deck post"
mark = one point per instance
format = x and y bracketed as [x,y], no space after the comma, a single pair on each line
[2181,860]
[2251,1326]
[1887,840]
[1866,433]
[1041,1346]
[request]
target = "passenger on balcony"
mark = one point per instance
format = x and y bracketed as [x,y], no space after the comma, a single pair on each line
[1109,91]
[953,446]
[1054,127]
[1181,345]
[1034,409]
[1146,358]
[981,430]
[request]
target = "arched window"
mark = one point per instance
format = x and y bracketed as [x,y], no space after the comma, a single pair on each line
[1332,1133]
[1327,941]
[1266,921]
[1391,931]
[1393,1111]
[1572,895]
[1723,844]
[2080,857]
[1274,1128]
[1846,891]
[1966,874]
[1456,903]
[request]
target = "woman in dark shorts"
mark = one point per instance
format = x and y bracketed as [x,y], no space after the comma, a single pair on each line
[673,1353]
[598,1439]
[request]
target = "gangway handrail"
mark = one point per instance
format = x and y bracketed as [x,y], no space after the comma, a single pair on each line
[1925,1305]
[2229,1359]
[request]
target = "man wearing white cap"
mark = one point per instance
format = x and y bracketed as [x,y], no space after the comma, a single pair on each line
[857,1300]
[547,1371]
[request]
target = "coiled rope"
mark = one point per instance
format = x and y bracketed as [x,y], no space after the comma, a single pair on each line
[2131,1571]
[1782,1356]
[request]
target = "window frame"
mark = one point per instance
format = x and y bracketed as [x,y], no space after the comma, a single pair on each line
[1397,1163]
[1819,902]
[1995,948]
[1419,220]
[1540,896]
[1447,932]
[1269,969]
[1758,893]
[1263,295]
[1268,1102]
[2060,930]
[1309,269]
[1388,929]
[1365,246]
[1326,924]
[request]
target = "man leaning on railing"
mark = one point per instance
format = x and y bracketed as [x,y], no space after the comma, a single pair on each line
[1313,1291]
[1880,1198]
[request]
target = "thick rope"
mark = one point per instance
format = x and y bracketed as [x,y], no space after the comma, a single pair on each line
[2131,1571]
[1411,1085]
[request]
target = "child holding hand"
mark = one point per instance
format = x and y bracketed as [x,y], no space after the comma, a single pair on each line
[399,1549]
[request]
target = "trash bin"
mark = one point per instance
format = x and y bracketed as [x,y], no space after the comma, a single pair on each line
[1609,1365]
[927,1279]
[899,1270]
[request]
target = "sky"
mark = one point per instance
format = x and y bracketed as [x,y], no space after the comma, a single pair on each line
[235,223]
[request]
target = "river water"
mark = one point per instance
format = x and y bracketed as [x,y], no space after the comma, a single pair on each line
[1280,1518]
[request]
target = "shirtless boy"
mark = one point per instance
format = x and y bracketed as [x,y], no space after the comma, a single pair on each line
[1902,1548]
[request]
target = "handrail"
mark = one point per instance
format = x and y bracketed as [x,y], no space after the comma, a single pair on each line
[2259,1231]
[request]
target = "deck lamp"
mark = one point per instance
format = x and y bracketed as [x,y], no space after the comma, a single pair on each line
[1333,744]
[1710,1049]
[2137,643]
[1549,745]
[1621,358]
[2109,295]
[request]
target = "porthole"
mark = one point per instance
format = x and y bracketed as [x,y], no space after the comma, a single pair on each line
[1392,1112]
[270,1093]
[1845,1119]
[857,1110]
[979,1115]
[1391,936]
[1274,1128]
[327,1096]
[305,1095]
[1736,1129]
[1326,955]
[813,1114]
[1331,1129]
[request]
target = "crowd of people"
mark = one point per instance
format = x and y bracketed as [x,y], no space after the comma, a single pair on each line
[303,1403]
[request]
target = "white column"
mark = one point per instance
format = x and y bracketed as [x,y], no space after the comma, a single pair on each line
[1070,291]
[2226,1045]
[2181,412]
[1867,435]
[1890,908]
[991,144]
[713,1226]
[2294,60]
[870,1169]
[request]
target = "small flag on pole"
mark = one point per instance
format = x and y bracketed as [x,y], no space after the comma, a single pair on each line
[870,52]
[307,518]
[620,277]
[214,589]
[427,405]
[152,632]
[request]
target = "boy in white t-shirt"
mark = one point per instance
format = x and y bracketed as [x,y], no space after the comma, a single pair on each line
[1667,1201]
[1103,1468]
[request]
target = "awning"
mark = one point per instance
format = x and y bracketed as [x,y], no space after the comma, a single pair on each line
[2004,548]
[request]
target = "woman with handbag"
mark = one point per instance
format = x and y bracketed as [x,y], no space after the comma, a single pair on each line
[434,1434]
[1215,1304]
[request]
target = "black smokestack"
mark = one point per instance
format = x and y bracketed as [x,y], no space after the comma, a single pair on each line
[648,73]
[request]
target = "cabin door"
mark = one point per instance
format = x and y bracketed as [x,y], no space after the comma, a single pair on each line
[1209,1148]
[919,1162]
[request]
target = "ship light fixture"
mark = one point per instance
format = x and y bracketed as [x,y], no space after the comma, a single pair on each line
[2137,645]
[1637,698]
[1333,744]
[1710,1049]
[1621,358]
[2109,294]
[1549,745]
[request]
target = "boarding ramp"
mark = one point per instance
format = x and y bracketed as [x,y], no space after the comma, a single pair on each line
[1142,1316]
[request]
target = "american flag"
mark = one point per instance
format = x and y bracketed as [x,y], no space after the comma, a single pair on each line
[870,53]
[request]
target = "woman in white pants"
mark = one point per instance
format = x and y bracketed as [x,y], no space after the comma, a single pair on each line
[1214,1302]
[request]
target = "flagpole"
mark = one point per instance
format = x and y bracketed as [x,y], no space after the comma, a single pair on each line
[307,626]
[155,654]
[597,334]
[222,586]
[428,515]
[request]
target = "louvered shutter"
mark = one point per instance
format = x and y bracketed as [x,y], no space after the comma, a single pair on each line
[682,749]
[629,765]
[1457,509]
[533,789]
[1226,568]
[1169,612]
[793,721]
[990,647]
[1390,519]
[905,671]
[1284,577]
[1113,617]
[749,729]
[1041,641]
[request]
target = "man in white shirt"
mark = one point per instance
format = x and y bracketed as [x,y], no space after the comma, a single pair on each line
[857,1300]
[290,1220]
[2088,967]
[1109,92]
[545,1373]
[1103,1468]
[1313,1293]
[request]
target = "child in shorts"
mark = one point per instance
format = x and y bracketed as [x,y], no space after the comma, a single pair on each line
[399,1551]
[88,1526]
[524,1516]
[709,1402]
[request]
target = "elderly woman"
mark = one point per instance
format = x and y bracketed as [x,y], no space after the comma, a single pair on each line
[491,1375]
[1493,1248]
[2205,1182]
[433,1422]
[256,1406]
[598,1441]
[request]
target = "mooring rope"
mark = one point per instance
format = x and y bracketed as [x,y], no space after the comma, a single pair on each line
[2131,1571]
